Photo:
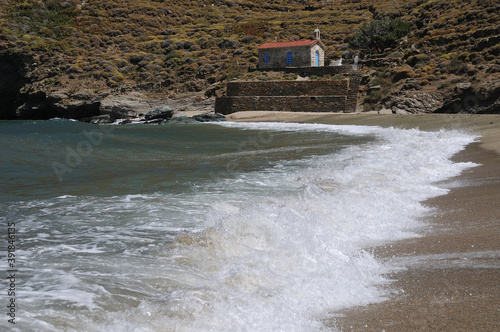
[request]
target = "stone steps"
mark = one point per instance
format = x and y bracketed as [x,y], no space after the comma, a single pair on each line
[352,93]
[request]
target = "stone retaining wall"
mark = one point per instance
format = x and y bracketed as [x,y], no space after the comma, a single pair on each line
[309,71]
[291,96]
[288,88]
[227,105]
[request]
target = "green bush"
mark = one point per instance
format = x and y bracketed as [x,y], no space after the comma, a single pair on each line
[172,54]
[380,34]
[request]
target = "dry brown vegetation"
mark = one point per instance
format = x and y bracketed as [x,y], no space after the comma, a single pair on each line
[188,45]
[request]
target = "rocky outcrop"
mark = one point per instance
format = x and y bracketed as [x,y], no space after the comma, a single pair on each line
[209,117]
[465,100]
[122,106]
[160,112]
[14,75]
[486,100]
[416,103]
[39,105]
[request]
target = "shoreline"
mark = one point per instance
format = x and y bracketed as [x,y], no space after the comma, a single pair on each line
[452,276]
[488,125]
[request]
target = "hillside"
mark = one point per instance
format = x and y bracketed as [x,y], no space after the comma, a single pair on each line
[55,48]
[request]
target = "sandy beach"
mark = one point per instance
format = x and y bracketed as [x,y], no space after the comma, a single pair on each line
[452,276]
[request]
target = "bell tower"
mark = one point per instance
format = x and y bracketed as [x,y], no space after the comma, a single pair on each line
[317,34]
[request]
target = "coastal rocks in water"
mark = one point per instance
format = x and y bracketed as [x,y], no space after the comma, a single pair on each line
[210,117]
[99,119]
[416,103]
[124,105]
[74,107]
[181,118]
[160,112]
[38,109]
[154,121]
[39,105]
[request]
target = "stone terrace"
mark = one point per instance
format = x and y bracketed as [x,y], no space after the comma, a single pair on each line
[290,96]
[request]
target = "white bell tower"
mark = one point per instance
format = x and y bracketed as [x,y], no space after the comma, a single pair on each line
[317,34]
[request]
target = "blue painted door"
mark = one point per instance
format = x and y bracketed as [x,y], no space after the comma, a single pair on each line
[317,59]
[289,58]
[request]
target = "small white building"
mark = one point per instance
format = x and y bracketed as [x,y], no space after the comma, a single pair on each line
[301,53]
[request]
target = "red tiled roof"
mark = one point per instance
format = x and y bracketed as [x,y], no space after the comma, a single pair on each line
[289,44]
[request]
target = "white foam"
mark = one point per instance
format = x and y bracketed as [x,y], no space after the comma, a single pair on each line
[284,263]
[278,250]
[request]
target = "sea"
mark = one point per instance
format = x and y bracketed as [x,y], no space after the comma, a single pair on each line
[208,226]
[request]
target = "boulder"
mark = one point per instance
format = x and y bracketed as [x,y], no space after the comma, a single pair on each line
[160,112]
[99,119]
[463,86]
[210,117]
[417,103]
[181,118]
[124,106]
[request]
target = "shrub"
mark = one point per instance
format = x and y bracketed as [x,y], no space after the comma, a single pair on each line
[172,54]
[403,73]
[456,66]
[380,34]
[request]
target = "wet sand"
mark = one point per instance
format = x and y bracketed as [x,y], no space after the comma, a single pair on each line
[452,277]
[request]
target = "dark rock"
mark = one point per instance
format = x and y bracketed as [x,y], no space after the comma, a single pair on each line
[181,118]
[451,106]
[160,112]
[14,74]
[155,121]
[210,117]
[76,109]
[80,105]
[35,110]
[493,108]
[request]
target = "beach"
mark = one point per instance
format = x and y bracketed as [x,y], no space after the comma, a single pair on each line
[451,279]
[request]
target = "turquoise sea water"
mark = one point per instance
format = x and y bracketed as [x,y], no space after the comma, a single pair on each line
[208,227]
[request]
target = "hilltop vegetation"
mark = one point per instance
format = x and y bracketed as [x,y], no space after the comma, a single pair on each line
[197,45]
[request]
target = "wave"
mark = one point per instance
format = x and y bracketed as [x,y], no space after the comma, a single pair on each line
[271,249]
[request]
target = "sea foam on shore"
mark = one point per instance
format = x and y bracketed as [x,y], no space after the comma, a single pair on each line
[275,243]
